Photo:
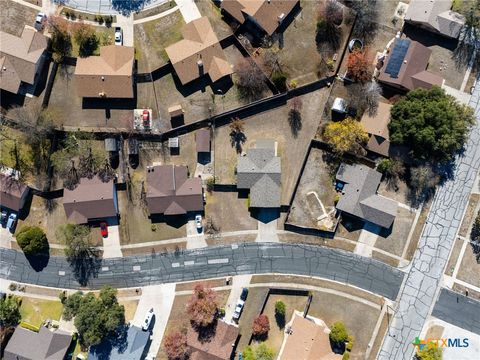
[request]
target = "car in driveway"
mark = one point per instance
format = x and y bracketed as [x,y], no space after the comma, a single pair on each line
[118,36]
[148,320]
[40,21]
[146,118]
[198,222]
[104,229]
[238,309]
[3,218]
[12,222]
[244,294]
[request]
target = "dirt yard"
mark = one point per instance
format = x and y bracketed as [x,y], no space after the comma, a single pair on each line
[273,124]
[79,113]
[151,39]
[469,268]
[229,212]
[15,16]
[315,182]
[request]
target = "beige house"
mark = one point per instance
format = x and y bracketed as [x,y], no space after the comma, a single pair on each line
[109,75]
[21,59]
[199,53]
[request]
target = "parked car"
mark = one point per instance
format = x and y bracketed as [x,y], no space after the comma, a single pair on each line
[12,222]
[198,221]
[40,20]
[148,320]
[244,294]
[104,229]
[3,218]
[238,310]
[146,118]
[118,36]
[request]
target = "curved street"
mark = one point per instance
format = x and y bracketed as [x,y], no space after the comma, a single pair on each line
[212,262]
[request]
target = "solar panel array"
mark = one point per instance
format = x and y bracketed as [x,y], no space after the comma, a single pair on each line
[397,56]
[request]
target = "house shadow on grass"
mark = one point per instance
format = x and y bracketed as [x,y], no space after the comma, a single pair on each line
[265,215]
[220,87]
[173,221]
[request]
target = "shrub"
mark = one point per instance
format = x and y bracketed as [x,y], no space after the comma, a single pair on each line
[338,334]
[32,240]
[293,84]
[62,296]
[12,286]
[100,20]
[28,326]
[279,79]
[280,308]
[261,326]
[210,184]
[153,227]
[346,355]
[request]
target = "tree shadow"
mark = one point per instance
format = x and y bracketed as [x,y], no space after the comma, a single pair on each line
[127,7]
[40,261]
[237,139]
[280,319]
[205,333]
[86,267]
[119,342]
[295,121]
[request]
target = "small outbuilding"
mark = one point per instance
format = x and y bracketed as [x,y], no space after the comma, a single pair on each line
[202,138]
[175,111]
[111,145]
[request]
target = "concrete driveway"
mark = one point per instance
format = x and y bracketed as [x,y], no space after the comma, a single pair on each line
[5,238]
[160,298]
[195,239]
[189,10]
[366,240]
[239,282]
[111,244]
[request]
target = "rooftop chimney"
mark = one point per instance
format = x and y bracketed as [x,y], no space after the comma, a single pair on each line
[200,66]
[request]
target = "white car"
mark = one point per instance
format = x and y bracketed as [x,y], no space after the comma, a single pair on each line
[148,320]
[198,222]
[40,20]
[118,36]
[238,310]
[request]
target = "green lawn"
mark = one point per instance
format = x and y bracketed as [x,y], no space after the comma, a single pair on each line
[36,311]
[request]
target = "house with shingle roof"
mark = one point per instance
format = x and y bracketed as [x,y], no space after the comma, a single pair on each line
[199,53]
[217,347]
[435,16]
[405,67]
[133,348]
[171,192]
[44,344]
[109,75]
[91,200]
[13,193]
[265,16]
[260,172]
[376,125]
[359,185]
[21,59]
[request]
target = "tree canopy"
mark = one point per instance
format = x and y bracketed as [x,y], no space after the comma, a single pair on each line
[32,240]
[9,311]
[202,306]
[95,318]
[429,352]
[338,334]
[346,136]
[175,345]
[432,124]
[260,352]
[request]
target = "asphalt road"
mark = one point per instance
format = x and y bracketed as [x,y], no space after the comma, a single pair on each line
[458,310]
[424,279]
[248,258]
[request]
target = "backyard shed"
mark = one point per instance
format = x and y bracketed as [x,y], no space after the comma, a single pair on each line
[175,111]
[202,138]
[111,145]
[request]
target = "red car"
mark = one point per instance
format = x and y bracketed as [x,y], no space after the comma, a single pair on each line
[104,229]
[146,118]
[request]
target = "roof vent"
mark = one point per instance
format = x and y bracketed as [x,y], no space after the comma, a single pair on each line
[4,68]
[103,78]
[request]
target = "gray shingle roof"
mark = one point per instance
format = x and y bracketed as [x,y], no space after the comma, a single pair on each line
[359,195]
[29,345]
[132,349]
[260,172]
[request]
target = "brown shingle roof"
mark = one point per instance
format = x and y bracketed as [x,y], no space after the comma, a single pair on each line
[308,341]
[109,74]
[202,138]
[266,13]
[377,127]
[218,347]
[199,45]
[12,192]
[412,72]
[22,55]
[91,199]
[171,192]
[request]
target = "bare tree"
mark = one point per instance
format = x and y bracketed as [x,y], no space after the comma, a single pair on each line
[250,80]
[330,17]
[106,173]
[87,165]
[211,228]
[372,92]
[237,137]
[72,178]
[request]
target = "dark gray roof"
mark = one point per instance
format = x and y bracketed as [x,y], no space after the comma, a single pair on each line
[131,349]
[260,172]
[29,345]
[359,195]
